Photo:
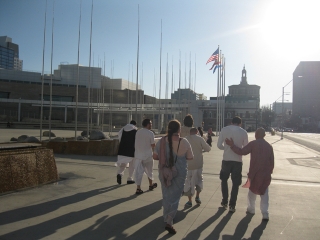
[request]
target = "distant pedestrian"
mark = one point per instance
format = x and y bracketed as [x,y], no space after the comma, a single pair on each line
[127,136]
[187,125]
[173,152]
[231,162]
[144,145]
[209,137]
[260,170]
[194,179]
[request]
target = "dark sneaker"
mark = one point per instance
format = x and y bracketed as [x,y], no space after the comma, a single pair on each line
[119,179]
[232,209]
[224,205]
[130,182]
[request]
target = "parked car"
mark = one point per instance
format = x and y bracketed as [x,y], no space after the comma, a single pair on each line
[288,130]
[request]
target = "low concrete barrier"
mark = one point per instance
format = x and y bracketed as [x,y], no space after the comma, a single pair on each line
[103,147]
[26,167]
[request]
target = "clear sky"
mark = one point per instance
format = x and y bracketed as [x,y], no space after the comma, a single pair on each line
[269,37]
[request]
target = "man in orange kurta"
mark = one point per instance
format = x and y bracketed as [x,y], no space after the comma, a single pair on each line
[261,168]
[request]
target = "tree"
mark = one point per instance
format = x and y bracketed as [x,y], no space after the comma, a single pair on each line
[267,116]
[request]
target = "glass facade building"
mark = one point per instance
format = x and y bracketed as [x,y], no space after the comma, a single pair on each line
[6,58]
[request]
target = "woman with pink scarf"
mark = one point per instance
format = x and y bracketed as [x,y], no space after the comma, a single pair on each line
[172,151]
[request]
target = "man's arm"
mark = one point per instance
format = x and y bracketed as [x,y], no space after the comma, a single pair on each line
[242,151]
[220,141]
[245,140]
[272,160]
[205,146]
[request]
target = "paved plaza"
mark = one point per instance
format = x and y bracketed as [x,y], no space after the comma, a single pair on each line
[87,203]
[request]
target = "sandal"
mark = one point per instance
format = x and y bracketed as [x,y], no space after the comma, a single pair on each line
[188,204]
[139,191]
[197,199]
[153,186]
[119,179]
[170,229]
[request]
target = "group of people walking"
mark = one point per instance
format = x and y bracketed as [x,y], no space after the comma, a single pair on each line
[181,163]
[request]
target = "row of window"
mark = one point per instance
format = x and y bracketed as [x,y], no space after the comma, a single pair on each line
[39,83]
[58,98]
[229,115]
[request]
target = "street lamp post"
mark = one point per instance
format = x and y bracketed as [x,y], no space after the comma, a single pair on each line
[283,109]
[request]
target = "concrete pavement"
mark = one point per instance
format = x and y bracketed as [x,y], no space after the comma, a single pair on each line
[88,203]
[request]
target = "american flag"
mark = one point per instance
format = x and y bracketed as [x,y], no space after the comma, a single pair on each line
[214,56]
[216,62]
[217,66]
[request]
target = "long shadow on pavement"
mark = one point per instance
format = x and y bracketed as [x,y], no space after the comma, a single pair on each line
[114,227]
[195,234]
[51,226]
[24,213]
[240,229]
[258,231]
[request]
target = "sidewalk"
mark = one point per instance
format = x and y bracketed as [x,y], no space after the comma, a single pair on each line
[88,203]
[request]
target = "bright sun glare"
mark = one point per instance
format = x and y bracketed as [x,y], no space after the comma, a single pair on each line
[291,26]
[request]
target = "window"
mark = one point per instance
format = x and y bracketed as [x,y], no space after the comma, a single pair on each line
[4,94]
[58,98]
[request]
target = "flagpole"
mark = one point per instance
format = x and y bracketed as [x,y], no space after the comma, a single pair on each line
[167,91]
[137,66]
[185,79]
[218,96]
[154,93]
[195,72]
[50,111]
[221,94]
[180,112]
[217,99]
[104,74]
[224,89]
[219,102]
[128,93]
[77,86]
[159,118]
[172,91]
[42,77]
[89,83]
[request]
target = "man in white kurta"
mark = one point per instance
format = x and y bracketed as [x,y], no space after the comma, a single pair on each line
[144,143]
[194,179]
[126,151]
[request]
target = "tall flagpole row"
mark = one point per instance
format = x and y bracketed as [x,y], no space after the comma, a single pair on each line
[217,98]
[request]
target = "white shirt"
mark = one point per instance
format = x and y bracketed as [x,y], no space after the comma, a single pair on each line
[144,140]
[198,144]
[240,139]
[126,128]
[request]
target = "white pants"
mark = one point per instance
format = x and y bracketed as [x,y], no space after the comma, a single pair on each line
[122,168]
[141,167]
[194,182]
[264,203]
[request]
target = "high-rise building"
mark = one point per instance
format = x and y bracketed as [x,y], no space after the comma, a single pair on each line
[9,54]
[306,91]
